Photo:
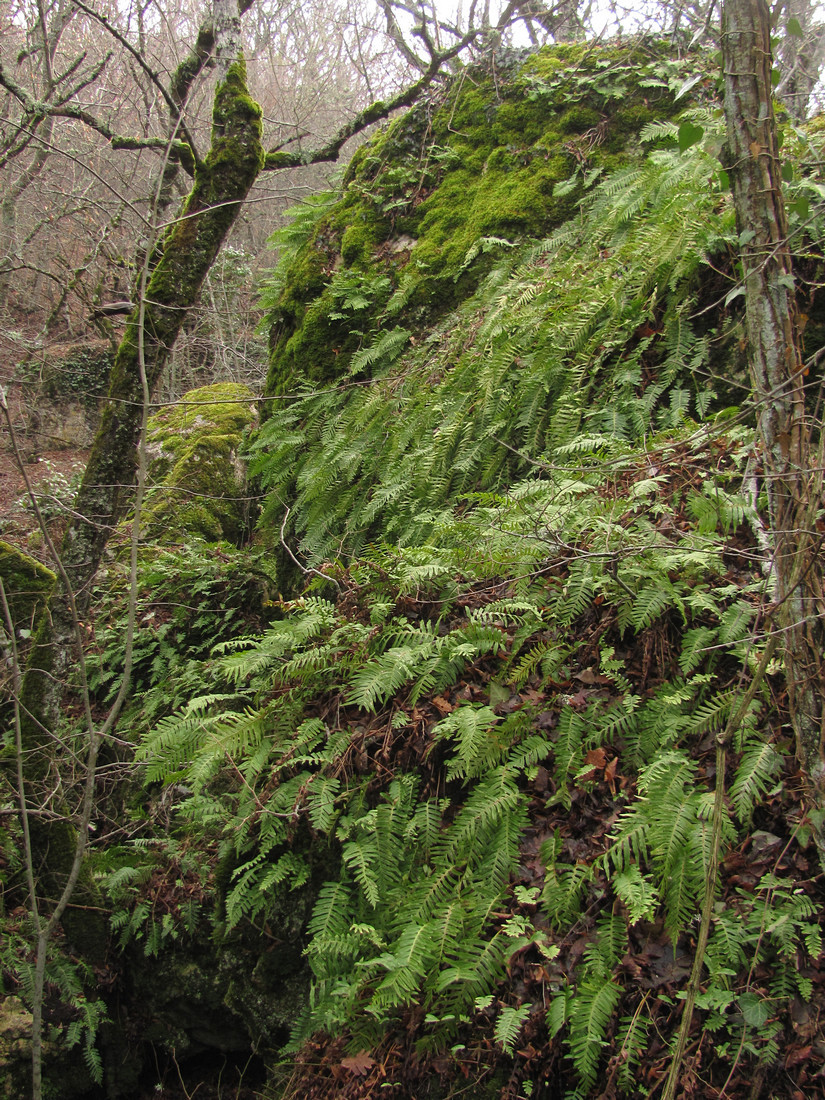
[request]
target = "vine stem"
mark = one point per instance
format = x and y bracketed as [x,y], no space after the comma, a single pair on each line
[722,741]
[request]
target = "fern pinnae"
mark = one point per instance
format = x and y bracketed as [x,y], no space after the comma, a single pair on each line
[509,1026]
[757,770]
[631,1040]
[590,1015]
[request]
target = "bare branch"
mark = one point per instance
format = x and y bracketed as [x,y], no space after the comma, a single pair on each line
[381,109]
[174,107]
[36,110]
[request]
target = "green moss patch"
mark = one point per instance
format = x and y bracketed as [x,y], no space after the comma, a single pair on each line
[504,153]
[27,584]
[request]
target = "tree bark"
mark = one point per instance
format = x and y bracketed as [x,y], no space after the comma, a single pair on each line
[792,469]
[179,266]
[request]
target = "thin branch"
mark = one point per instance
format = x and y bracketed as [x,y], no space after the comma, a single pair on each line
[37,110]
[376,112]
[174,108]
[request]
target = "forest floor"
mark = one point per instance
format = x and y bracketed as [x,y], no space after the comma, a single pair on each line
[52,475]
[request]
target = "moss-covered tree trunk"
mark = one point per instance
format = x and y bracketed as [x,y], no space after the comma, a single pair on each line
[792,469]
[180,264]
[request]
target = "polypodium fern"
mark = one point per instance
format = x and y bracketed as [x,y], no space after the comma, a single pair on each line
[755,773]
[459,415]
[509,1024]
[589,1017]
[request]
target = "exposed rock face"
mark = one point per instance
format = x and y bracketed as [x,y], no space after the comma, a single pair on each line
[63,1066]
[71,383]
[197,475]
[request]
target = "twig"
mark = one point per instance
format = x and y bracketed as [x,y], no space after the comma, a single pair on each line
[306,571]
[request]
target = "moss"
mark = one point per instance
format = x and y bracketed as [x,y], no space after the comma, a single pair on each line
[64,1074]
[183,259]
[357,243]
[478,159]
[196,468]
[28,585]
[578,119]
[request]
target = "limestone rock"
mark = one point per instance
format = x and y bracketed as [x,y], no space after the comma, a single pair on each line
[197,476]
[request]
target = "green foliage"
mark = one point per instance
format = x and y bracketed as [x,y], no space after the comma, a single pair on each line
[68,980]
[413,910]
[584,335]
[413,913]
[509,1024]
[534,577]
[156,890]
[188,596]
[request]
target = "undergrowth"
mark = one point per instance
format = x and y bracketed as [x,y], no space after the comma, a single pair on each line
[481,737]
[401,723]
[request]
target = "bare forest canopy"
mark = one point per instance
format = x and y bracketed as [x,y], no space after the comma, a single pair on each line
[419,691]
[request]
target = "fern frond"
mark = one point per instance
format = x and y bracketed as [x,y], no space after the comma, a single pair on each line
[755,773]
[590,1014]
[508,1026]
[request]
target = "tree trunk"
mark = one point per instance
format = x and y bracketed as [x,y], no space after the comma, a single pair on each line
[792,469]
[182,260]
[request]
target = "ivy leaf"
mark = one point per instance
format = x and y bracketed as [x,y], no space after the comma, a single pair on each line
[794,27]
[801,207]
[787,171]
[689,134]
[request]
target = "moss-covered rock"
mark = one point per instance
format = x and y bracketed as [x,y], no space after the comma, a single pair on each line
[64,1073]
[27,584]
[197,475]
[474,167]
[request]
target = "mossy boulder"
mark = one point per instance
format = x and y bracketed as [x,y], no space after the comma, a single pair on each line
[27,584]
[501,154]
[64,1074]
[197,476]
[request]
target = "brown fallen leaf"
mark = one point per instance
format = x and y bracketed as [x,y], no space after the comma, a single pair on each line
[441,705]
[796,1057]
[360,1064]
[596,757]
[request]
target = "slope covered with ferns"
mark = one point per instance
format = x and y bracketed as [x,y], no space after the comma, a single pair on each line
[510,485]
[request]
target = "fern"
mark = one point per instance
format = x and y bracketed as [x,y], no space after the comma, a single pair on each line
[508,1026]
[477,748]
[755,773]
[631,1041]
[590,1015]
